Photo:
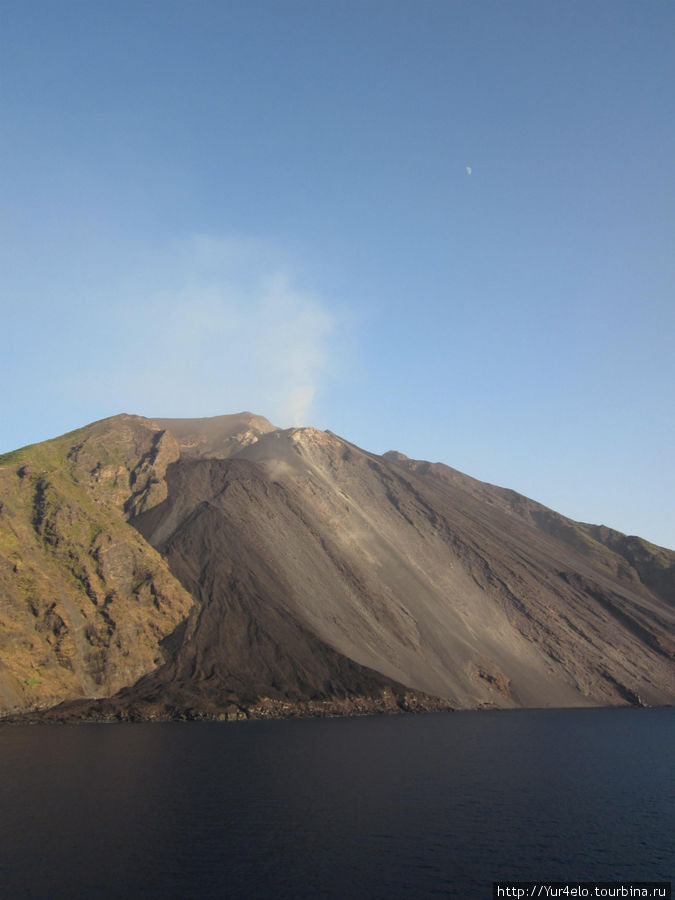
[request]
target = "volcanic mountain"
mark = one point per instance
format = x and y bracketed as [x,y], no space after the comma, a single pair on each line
[224,568]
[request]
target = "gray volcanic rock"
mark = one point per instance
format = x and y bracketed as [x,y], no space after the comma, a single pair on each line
[218,436]
[326,580]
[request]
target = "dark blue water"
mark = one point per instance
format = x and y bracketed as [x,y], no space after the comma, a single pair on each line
[436,805]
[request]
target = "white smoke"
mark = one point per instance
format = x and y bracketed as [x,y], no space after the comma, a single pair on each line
[215,325]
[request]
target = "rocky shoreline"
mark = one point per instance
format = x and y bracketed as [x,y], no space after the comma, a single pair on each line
[111,711]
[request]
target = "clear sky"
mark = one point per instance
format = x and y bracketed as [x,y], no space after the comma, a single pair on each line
[438,226]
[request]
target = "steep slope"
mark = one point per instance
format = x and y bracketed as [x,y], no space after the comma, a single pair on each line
[324,578]
[408,577]
[631,558]
[85,602]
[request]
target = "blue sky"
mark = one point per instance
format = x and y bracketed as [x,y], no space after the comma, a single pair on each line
[216,206]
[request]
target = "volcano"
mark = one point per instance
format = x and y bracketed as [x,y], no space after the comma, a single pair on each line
[224,568]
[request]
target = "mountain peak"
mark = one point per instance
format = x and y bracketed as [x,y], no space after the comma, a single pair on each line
[216,436]
[395,455]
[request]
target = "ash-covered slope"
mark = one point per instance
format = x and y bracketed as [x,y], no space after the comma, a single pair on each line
[632,558]
[328,579]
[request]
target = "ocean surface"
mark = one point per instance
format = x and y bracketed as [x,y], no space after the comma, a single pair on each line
[404,806]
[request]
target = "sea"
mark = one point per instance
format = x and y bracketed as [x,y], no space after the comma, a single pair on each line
[410,806]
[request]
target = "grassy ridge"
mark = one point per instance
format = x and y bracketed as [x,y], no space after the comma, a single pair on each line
[84,601]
